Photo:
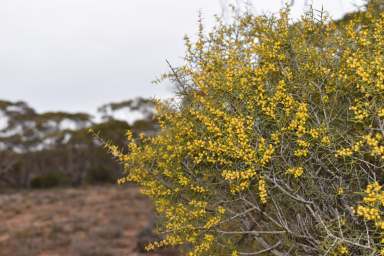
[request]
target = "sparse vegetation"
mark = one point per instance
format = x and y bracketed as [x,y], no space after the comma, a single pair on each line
[50,180]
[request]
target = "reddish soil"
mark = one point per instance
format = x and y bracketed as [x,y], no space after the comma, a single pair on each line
[92,221]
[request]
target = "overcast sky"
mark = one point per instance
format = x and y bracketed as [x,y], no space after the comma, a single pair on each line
[76,55]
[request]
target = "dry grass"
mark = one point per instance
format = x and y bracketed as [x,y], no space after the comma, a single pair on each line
[93,221]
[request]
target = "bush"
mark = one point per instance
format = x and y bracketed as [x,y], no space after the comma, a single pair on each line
[276,146]
[49,180]
[100,175]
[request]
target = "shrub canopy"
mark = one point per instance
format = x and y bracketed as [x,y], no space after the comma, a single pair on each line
[277,143]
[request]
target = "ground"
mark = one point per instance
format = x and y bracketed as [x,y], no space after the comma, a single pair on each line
[92,221]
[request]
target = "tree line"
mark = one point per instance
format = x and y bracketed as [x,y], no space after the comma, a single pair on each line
[55,148]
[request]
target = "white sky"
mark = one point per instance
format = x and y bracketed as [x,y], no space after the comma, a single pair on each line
[76,55]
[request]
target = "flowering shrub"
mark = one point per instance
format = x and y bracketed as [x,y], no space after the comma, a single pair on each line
[277,144]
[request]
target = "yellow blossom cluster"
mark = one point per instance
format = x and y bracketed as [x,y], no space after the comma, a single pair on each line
[368,213]
[380,113]
[374,143]
[341,250]
[372,207]
[262,191]
[296,171]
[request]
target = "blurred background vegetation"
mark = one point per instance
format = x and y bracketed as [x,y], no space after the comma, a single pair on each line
[43,150]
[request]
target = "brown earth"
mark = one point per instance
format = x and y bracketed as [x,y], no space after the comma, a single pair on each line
[92,221]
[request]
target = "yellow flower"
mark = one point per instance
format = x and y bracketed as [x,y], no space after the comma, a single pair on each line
[262,191]
[296,171]
[343,250]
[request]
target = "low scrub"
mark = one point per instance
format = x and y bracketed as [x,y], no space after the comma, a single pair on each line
[49,180]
